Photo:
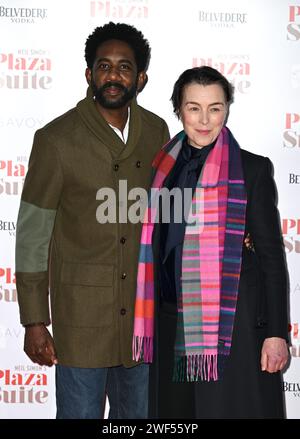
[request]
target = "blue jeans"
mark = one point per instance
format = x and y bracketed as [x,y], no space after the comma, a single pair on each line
[80,392]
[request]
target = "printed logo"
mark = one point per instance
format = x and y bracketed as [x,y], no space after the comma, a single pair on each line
[295,339]
[296,289]
[221,19]
[23,387]
[295,76]
[294,178]
[9,335]
[32,123]
[293,388]
[23,15]
[8,226]
[28,69]
[236,68]
[291,234]
[8,292]
[119,9]
[293,27]
[291,134]
[12,176]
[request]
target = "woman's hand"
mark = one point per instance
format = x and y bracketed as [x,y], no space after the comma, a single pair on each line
[274,354]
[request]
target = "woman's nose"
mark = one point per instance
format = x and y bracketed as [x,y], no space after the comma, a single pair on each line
[204,117]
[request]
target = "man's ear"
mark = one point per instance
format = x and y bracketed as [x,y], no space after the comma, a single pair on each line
[88,75]
[142,81]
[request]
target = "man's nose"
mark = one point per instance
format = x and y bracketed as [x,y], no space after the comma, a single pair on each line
[113,74]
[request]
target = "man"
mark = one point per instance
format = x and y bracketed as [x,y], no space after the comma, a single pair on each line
[91,267]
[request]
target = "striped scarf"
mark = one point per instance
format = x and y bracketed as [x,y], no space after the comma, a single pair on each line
[211,263]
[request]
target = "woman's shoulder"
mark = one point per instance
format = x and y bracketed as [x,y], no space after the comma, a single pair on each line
[251,160]
[255,165]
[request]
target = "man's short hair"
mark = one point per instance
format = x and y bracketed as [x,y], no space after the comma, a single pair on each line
[123,32]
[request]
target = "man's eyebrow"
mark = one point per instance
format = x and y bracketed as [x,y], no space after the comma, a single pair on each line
[123,60]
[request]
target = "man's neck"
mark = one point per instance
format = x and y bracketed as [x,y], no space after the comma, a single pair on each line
[116,117]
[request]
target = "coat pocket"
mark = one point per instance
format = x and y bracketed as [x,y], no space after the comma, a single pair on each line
[86,295]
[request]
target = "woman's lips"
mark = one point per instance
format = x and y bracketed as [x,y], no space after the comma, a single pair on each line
[203,132]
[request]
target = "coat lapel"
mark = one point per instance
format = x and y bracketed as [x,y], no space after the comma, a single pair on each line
[98,125]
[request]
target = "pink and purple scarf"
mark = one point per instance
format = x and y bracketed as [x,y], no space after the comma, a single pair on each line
[211,263]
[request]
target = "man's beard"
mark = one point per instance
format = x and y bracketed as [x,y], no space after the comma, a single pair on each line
[113,102]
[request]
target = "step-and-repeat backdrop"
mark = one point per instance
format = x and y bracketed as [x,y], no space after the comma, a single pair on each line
[255,44]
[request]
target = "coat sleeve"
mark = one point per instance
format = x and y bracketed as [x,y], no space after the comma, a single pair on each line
[264,227]
[165,134]
[39,203]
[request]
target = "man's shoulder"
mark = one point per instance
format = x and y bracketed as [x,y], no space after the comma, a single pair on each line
[151,118]
[61,125]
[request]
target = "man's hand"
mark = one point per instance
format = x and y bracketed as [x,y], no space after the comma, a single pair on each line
[39,346]
[274,354]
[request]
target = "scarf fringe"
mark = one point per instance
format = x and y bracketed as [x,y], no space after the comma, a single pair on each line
[142,348]
[193,368]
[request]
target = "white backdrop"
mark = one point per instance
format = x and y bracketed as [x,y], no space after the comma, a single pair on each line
[256,44]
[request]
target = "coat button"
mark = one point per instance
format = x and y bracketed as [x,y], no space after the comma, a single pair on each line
[116,167]
[138,164]
[123,276]
[122,240]
[123,311]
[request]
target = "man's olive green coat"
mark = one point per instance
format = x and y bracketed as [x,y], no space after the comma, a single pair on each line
[90,268]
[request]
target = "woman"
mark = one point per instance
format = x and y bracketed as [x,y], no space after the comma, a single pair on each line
[220,320]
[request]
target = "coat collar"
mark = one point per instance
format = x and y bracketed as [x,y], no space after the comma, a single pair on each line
[96,123]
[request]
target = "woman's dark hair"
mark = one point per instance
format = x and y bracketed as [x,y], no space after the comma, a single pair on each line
[123,32]
[204,75]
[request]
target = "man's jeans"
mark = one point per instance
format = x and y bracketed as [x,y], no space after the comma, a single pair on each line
[80,392]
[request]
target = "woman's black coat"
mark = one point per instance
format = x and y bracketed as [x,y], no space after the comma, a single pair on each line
[245,391]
